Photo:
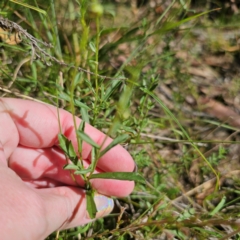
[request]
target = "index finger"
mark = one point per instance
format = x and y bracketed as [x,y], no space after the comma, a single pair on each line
[38,127]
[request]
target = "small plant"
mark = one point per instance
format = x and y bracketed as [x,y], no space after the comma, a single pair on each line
[88,173]
[215,158]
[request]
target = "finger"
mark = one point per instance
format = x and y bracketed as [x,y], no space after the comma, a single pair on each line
[49,209]
[37,125]
[3,159]
[9,137]
[69,205]
[44,168]
[35,164]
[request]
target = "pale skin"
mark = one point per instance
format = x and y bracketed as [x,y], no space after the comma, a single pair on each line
[38,197]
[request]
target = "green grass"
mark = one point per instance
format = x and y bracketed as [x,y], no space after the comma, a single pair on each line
[129,70]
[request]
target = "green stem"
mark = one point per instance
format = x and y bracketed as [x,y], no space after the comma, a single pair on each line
[85,34]
[96,55]
[55,29]
[96,71]
[79,145]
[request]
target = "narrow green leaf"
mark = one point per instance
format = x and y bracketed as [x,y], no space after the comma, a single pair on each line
[77,103]
[218,207]
[81,126]
[77,79]
[29,6]
[111,89]
[63,142]
[79,140]
[70,167]
[74,160]
[84,115]
[87,139]
[91,206]
[92,46]
[114,29]
[167,26]
[83,171]
[117,140]
[64,96]
[71,151]
[94,157]
[81,105]
[80,230]
[127,176]
[67,147]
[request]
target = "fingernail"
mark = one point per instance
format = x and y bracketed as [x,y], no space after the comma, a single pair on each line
[104,205]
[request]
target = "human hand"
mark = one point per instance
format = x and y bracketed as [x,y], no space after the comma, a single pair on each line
[37,196]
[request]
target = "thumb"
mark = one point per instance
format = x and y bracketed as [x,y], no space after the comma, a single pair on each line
[66,207]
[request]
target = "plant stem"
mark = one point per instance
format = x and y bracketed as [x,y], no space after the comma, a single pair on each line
[96,70]
[85,33]
[96,55]
[55,29]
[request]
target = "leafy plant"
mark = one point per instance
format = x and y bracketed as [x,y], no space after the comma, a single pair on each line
[87,173]
[124,69]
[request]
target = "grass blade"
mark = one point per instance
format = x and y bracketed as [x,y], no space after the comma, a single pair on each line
[29,6]
[171,25]
[218,207]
